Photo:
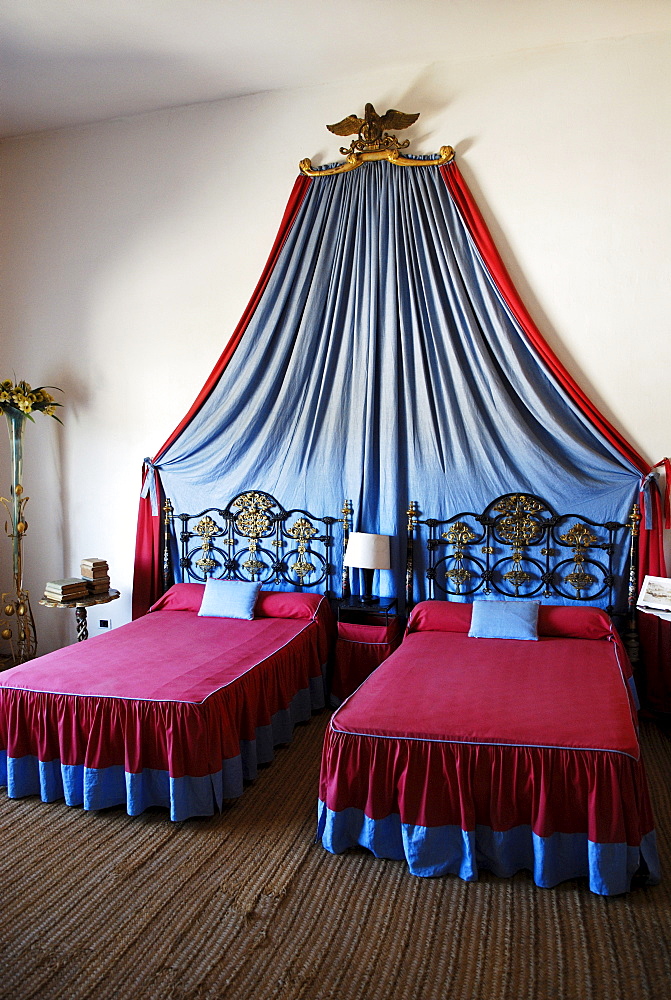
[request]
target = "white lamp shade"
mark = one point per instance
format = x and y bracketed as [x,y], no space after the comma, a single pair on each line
[367,551]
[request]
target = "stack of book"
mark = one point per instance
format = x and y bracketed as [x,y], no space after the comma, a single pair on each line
[96,575]
[72,589]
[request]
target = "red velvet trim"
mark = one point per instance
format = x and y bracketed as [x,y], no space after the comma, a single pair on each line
[482,238]
[147,584]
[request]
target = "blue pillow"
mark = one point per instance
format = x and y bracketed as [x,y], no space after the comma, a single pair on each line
[504,620]
[229,599]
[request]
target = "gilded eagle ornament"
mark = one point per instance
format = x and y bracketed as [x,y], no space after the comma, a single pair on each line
[373,142]
[371,130]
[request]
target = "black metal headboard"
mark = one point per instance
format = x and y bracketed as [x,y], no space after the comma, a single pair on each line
[519,547]
[253,538]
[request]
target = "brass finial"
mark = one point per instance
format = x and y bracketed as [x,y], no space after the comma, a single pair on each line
[413,514]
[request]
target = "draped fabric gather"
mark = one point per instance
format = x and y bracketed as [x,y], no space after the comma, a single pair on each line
[385,356]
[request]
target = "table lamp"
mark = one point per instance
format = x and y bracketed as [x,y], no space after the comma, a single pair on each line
[367,553]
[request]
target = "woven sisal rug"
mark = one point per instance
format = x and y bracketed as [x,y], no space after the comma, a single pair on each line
[245,905]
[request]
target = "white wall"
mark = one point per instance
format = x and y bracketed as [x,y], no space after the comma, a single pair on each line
[131,248]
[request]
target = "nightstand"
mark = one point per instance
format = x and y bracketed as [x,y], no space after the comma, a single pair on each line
[367,635]
[80,607]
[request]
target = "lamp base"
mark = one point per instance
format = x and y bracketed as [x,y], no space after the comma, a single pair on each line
[367,597]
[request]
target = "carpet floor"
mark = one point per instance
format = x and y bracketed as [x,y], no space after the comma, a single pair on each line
[246,905]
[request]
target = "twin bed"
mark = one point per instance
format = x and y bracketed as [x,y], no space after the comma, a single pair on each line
[473,751]
[460,752]
[177,709]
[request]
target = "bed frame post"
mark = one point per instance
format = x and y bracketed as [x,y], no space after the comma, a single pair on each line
[631,640]
[346,528]
[412,513]
[167,526]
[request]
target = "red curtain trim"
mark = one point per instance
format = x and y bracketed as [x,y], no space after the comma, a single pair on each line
[296,199]
[482,238]
[147,573]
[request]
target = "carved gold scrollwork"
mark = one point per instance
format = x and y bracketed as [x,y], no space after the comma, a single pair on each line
[253,565]
[253,520]
[517,577]
[580,580]
[459,534]
[518,526]
[206,564]
[580,537]
[207,529]
[355,160]
[374,142]
[459,576]
[302,530]
[302,568]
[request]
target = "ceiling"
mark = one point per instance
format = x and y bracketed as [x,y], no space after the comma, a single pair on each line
[69,62]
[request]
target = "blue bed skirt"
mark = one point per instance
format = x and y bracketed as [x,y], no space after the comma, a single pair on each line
[434,851]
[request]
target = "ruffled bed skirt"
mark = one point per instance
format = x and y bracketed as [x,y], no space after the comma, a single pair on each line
[449,850]
[453,808]
[185,796]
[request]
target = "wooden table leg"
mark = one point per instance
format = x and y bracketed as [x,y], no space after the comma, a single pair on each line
[82,629]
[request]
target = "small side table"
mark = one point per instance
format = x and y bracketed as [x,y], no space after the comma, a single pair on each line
[80,607]
[367,635]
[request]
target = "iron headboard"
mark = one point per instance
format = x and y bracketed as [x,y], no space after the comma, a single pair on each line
[519,547]
[255,539]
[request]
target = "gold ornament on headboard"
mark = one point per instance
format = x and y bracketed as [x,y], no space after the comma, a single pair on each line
[373,142]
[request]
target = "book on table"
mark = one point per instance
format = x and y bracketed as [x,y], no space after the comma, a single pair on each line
[66,590]
[94,569]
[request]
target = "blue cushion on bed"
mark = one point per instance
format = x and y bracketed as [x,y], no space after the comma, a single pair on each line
[229,599]
[504,620]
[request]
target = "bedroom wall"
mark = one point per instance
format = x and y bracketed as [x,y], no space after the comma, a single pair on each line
[130,249]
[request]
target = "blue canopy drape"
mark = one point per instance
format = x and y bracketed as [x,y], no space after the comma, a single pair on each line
[382,364]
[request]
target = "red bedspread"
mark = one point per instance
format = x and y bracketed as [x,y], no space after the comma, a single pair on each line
[450,687]
[164,656]
[170,691]
[453,731]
